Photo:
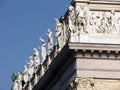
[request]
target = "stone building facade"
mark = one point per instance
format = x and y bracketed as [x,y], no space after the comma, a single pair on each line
[87,53]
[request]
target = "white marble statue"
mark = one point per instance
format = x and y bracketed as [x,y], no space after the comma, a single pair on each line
[25,74]
[43,48]
[59,33]
[50,40]
[36,58]
[81,19]
[30,67]
[71,20]
[15,85]
[19,81]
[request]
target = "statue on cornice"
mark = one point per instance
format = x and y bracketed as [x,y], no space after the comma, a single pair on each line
[50,40]
[36,58]
[15,81]
[30,67]
[59,32]
[15,85]
[43,48]
[81,19]
[71,19]
[19,81]
[25,74]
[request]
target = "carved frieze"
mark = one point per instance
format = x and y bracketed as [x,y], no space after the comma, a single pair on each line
[105,22]
[84,83]
[81,84]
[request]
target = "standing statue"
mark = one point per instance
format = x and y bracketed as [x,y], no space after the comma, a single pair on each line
[81,19]
[15,81]
[15,85]
[50,40]
[25,74]
[19,81]
[36,58]
[59,33]
[43,49]
[71,19]
[30,67]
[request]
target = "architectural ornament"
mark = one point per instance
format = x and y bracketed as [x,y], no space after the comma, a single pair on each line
[19,81]
[36,58]
[81,19]
[15,81]
[15,85]
[30,67]
[25,74]
[59,32]
[50,40]
[43,48]
[81,83]
[71,20]
[105,22]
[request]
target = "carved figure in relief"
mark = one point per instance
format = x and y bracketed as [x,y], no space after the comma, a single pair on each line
[36,58]
[104,24]
[71,19]
[25,74]
[95,22]
[50,40]
[59,32]
[118,25]
[82,19]
[112,21]
[30,67]
[43,48]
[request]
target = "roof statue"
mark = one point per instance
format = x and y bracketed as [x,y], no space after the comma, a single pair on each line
[19,81]
[30,67]
[36,59]
[50,40]
[59,32]
[43,48]
[25,74]
[71,20]
[15,81]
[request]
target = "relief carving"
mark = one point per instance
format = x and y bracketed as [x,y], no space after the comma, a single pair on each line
[81,84]
[81,16]
[105,22]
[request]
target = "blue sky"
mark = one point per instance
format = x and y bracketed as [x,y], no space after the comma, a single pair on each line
[22,22]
